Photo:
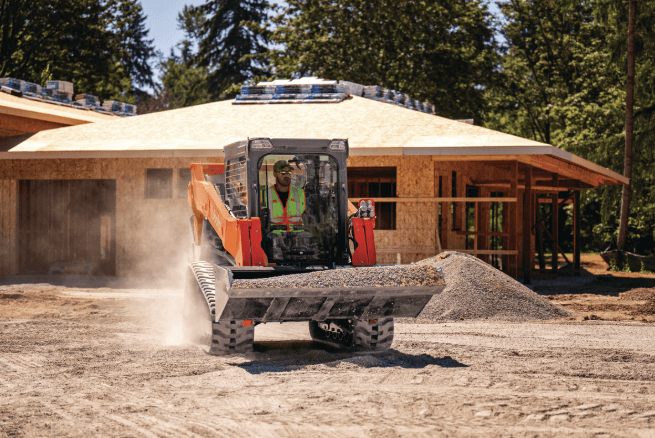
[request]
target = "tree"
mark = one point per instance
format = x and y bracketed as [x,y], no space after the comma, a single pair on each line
[135,50]
[86,42]
[230,36]
[565,84]
[437,51]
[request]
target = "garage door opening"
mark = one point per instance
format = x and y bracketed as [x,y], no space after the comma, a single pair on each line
[67,226]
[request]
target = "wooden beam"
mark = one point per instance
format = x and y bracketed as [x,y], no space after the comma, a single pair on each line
[488,251]
[458,199]
[468,158]
[555,224]
[568,170]
[539,238]
[548,188]
[512,260]
[543,227]
[576,232]
[480,233]
[527,225]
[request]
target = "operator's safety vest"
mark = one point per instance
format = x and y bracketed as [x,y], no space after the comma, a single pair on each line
[286,214]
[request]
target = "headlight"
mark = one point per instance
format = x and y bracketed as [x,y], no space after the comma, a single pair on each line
[370,208]
[362,204]
[337,145]
[261,144]
[368,203]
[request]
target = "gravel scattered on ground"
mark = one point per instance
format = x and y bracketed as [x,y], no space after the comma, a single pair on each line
[375,276]
[477,290]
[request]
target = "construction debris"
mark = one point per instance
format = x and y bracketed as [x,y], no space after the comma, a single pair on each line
[477,290]
[375,276]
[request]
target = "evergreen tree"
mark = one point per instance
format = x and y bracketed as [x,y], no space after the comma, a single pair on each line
[88,42]
[136,50]
[230,38]
[438,51]
[562,82]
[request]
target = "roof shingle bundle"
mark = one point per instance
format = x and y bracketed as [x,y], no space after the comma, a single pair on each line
[297,91]
[61,93]
[382,94]
[315,90]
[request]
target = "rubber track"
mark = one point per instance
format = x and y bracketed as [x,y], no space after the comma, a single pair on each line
[374,337]
[227,336]
[204,273]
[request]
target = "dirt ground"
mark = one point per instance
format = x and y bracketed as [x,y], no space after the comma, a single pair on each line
[78,358]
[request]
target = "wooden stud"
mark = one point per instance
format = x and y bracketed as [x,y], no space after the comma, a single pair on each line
[3,246]
[527,225]
[512,224]
[437,237]
[555,224]
[576,232]
[457,199]
[539,238]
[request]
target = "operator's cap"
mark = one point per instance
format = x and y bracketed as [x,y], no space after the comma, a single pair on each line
[281,165]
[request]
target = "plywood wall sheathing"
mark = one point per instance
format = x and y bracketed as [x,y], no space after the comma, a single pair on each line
[8,224]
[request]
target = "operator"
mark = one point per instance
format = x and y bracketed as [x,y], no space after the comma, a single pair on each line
[288,203]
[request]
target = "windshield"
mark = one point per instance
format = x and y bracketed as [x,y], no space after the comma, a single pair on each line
[299,209]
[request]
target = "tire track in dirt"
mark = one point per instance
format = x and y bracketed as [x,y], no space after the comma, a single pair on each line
[19,362]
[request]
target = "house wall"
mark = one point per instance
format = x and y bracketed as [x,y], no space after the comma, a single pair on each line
[153,235]
[415,236]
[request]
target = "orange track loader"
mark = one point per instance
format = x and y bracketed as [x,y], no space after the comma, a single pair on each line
[278,207]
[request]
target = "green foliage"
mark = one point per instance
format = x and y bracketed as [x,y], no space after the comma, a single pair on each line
[99,45]
[437,51]
[562,82]
[232,39]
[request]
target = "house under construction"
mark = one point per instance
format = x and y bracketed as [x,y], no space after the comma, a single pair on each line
[112,192]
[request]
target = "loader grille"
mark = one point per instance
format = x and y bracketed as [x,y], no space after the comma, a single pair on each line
[236,193]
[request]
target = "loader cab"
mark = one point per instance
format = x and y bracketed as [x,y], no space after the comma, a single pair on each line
[302,205]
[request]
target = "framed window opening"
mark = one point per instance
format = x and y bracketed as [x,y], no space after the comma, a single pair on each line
[375,182]
[159,183]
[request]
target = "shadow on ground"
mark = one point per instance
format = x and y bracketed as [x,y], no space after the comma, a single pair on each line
[286,356]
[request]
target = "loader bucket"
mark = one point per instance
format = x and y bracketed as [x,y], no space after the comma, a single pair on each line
[225,302]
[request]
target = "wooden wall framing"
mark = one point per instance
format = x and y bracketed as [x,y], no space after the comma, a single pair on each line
[424,188]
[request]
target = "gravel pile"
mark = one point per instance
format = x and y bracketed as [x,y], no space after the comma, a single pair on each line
[376,276]
[476,290]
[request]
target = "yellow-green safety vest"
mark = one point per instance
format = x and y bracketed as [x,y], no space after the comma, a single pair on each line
[286,214]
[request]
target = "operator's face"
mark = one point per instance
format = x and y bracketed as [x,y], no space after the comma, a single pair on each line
[283,178]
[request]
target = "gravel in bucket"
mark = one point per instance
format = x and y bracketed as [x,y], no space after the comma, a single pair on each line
[374,276]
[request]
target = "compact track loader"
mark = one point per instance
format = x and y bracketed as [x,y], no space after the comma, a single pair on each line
[280,241]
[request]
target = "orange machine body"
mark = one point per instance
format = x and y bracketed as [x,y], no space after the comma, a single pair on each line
[242,237]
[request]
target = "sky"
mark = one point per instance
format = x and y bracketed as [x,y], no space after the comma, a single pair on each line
[162,21]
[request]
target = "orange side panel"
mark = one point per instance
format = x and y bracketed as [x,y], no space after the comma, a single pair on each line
[360,256]
[213,169]
[243,257]
[370,240]
[258,256]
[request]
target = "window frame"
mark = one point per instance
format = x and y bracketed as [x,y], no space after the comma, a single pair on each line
[159,183]
[360,182]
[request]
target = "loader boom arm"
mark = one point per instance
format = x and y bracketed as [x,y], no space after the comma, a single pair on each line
[241,237]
